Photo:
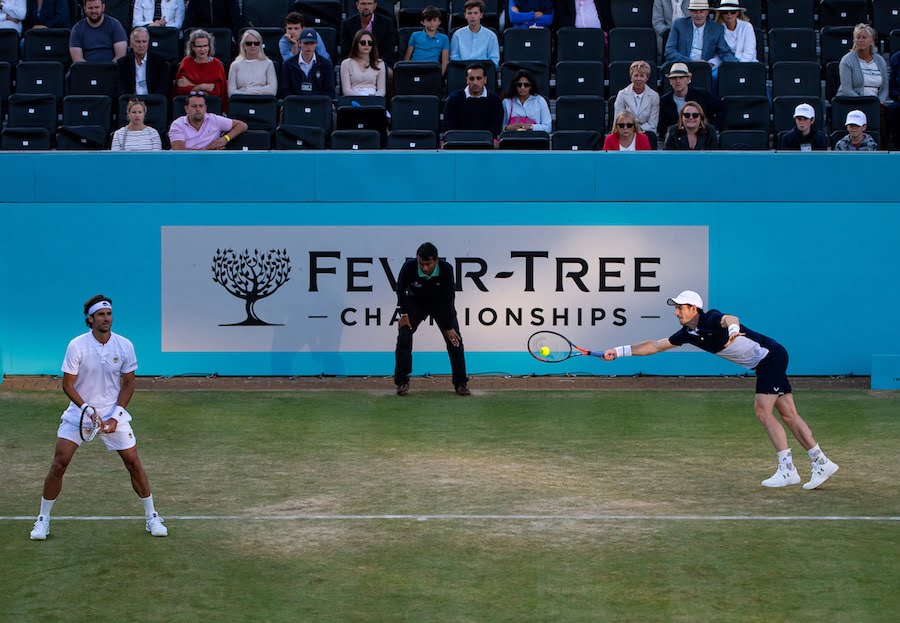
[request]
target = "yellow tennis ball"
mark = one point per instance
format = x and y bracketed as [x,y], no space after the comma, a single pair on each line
[544,351]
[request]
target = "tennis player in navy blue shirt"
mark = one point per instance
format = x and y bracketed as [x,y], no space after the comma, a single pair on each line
[725,336]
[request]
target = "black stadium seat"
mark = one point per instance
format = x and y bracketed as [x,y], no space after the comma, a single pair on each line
[579,78]
[576,140]
[843,12]
[355,139]
[95,110]
[525,141]
[25,139]
[309,110]
[9,46]
[32,111]
[411,139]
[581,112]
[835,42]
[263,13]
[632,13]
[40,77]
[745,112]
[319,13]
[416,112]
[94,79]
[580,44]
[47,44]
[299,137]
[792,44]
[468,139]
[526,44]
[251,140]
[886,17]
[742,79]
[82,137]
[744,140]
[166,42]
[790,13]
[796,78]
[632,44]
[259,112]
[416,78]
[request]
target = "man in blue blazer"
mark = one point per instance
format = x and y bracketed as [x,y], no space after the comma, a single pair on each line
[695,38]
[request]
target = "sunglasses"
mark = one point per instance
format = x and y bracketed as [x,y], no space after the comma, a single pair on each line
[624,125]
[729,12]
[197,94]
[365,42]
[252,44]
[522,85]
[690,115]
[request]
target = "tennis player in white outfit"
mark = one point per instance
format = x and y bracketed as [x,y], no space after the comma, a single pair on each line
[98,373]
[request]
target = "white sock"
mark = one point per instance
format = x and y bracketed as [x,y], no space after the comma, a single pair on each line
[816,455]
[785,459]
[46,507]
[149,511]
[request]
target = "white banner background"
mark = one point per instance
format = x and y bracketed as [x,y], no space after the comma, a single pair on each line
[195,308]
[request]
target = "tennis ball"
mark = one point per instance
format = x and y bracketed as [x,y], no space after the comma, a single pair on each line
[544,351]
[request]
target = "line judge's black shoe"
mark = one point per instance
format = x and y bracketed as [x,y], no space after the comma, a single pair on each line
[402,389]
[463,390]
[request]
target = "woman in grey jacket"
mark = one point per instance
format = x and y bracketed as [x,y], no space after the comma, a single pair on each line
[863,71]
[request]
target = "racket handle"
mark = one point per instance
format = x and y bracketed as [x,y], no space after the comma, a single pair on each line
[594,353]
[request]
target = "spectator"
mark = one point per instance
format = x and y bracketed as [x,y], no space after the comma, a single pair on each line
[141,71]
[739,33]
[664,13]
[626,135]
[524,108]
[363,73]
[50,14]
[475,107]
[213,14]
[802,137]
[856,139]
[475,43]
[671,103]
[429,45]
[136,136]
[13,14]
[636,98]
[695,38]
[252,73]
[200,70]
[531,13]
[289,44]
[583,14]
[161,13]
[692,132]
[894,106]
[382,28]
[97,38]
[864,72]
[306,73]
[198,129]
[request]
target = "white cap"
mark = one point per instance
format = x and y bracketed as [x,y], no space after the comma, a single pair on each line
[856,117]
[805,110]
[688,297]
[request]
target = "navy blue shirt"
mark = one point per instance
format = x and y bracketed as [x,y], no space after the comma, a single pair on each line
[746,351]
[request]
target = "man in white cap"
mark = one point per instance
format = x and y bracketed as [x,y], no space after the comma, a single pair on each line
[98,377]
[803,137]
[725,336]
[856,139]
[695,38]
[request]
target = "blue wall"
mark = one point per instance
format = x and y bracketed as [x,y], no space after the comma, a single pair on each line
[805,244]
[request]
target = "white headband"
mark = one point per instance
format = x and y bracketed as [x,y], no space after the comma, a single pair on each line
[98,306]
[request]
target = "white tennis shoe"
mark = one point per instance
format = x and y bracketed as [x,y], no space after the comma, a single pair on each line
[783,477]
[821,473]
[155,526]
[41,529]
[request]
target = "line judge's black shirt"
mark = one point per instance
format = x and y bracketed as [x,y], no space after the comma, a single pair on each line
[435,295]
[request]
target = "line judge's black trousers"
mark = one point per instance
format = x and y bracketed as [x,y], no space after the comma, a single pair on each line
[403,352]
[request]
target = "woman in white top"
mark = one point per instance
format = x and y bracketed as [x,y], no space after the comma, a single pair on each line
[524,108]
[639,99]
[252,73]
[739,33]
[363,73]
[136,136]
[171,13]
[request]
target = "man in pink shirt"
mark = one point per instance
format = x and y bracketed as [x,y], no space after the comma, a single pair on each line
[198,129]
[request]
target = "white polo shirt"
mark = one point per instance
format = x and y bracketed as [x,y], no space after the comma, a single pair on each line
[99,368]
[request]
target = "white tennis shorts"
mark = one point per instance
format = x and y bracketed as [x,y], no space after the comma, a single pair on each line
[122,439]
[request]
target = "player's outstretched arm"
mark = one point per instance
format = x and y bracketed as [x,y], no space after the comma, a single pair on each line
[650,347]
[733,324]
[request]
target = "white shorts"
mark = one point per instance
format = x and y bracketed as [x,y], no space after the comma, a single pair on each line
[122,439]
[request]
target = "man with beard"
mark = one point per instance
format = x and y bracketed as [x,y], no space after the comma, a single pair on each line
[98,38]
[200,130]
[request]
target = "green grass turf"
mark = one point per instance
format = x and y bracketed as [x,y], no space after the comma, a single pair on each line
[554,453]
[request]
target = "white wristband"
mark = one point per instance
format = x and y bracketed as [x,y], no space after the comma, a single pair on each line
[733,330]
[623,351]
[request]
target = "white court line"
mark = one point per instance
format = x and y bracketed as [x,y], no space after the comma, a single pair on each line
[460,517]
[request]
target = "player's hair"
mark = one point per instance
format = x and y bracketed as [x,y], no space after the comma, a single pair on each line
[427,251]
[293,18]
[474,4]
[430,12]
[90,303]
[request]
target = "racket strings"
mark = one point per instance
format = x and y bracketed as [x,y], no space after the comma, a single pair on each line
[548,346]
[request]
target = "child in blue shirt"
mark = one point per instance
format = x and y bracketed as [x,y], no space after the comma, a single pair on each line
[429,45]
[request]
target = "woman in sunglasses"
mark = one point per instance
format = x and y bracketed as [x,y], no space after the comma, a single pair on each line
[626,135]
[692,132]
[363,72]
[252,73]
[523,107]
[739,33]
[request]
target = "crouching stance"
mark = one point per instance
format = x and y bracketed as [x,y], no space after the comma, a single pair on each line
[98,376]
[725,336]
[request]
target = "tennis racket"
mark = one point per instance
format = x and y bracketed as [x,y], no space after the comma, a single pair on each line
[551,347]
[90,423]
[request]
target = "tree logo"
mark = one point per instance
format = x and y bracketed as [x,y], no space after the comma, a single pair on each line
[252,277]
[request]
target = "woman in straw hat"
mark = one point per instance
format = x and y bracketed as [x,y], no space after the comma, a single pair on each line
[739,33]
